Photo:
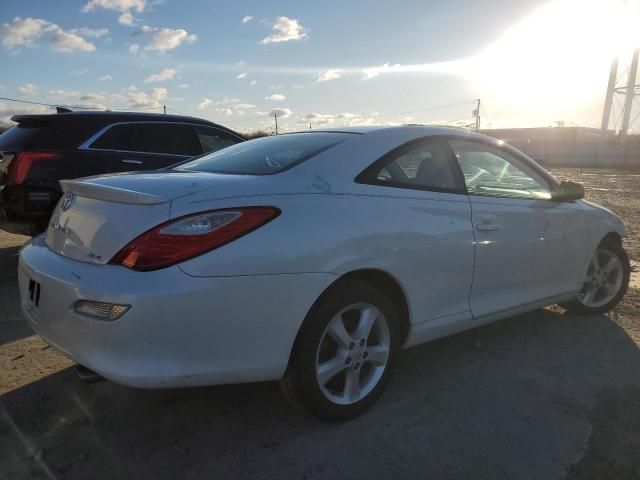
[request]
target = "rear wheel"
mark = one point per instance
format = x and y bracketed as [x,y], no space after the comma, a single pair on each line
[344,352]
[606,280]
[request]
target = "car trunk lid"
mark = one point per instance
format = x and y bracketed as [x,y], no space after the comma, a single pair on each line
[98,216]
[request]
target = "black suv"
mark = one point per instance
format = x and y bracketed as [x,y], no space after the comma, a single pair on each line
[43,149]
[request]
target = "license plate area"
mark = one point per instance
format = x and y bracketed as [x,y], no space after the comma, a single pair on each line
[34,292]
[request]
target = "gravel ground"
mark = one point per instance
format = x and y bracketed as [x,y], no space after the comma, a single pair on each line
[542,395]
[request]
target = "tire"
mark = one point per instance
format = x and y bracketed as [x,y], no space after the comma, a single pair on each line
[360,381]
[606,248]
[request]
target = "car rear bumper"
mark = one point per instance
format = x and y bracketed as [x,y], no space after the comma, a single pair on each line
[179,331]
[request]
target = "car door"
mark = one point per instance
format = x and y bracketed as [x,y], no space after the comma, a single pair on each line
[420,197]
[527,246]
[131,146]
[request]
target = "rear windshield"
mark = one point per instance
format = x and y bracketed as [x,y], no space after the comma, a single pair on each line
[265,156]
[19,137]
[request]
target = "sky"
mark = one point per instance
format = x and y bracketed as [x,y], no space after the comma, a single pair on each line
[318,64]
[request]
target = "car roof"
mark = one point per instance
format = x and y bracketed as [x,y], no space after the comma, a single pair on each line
[107,117]
[418,130]
[114,116]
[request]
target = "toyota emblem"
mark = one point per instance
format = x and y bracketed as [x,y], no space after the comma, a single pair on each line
[67,200]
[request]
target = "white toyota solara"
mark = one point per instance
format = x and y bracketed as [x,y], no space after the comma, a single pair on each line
[312,258]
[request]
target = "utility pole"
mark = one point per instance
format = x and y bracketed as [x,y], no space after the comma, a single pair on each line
[476,113]
[275,118]
[611,88]
[309,125]
[630,95]
[165,109]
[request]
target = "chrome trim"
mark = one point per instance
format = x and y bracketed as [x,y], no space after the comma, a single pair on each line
[86,145]
[132,162]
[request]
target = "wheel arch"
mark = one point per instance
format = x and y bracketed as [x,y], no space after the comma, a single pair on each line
[380,279]
[612,236]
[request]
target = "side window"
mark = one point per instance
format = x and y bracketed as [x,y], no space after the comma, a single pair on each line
[156,137]
[490,171]
[211,139]
[117,137]
[421,165]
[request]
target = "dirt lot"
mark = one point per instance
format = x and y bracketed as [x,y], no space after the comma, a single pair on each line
[544,395]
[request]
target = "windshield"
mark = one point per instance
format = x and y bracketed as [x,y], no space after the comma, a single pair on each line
[265,156]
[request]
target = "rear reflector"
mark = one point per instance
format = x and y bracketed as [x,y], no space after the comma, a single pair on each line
[100,310]
[22,162]
[187,237]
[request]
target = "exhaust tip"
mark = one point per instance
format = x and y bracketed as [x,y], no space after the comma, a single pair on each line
[88,376]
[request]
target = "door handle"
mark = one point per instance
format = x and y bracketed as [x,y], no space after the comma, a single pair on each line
[486,227]
[132,162]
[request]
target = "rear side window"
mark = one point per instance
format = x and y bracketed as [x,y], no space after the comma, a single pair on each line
[211,139]
[267,155]
[164,138]
[422,165]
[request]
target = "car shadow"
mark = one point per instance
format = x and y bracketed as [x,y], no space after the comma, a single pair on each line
[12,326]
[527,397]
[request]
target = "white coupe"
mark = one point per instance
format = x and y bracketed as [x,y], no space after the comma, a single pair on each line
[312,258]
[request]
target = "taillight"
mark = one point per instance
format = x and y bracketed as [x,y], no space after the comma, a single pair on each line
[187,237]
[22,163]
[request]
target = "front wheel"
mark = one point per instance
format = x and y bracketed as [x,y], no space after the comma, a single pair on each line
[606,280]
[344,352]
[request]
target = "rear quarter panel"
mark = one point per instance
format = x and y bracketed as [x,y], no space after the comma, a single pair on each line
[423,239]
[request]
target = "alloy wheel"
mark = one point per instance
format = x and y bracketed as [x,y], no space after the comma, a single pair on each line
[353,354]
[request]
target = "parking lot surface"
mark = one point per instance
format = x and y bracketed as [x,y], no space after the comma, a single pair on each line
[543,395]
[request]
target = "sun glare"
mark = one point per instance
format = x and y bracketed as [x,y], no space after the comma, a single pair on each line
[556,60]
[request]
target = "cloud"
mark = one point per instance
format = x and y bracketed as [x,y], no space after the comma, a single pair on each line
[27,89]
[280,112]
[163,39]
[63,41]
[253,82]
[276,97]
[24,32]
[123,6]
[225,111]
[331,74]
[166,74]
[126,19]
[63,94]
[204,103]
[247,19]
[183,85]
[244,106]
[329,119]
[373,72]
[134,48]
[8,109]
[90,32]
[82,71]
[105,78]
[285,29]
[242,75]
[139,99]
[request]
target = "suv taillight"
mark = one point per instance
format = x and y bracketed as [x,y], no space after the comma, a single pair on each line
[22,162]
[186,237]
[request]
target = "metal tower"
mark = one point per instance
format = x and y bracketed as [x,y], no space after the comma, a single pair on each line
[629,91]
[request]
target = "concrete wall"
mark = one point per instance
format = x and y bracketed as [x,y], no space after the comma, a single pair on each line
[589,155]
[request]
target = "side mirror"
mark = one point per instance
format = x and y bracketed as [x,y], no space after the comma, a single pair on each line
[569,191]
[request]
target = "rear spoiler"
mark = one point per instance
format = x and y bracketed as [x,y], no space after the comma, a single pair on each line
[110,194]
